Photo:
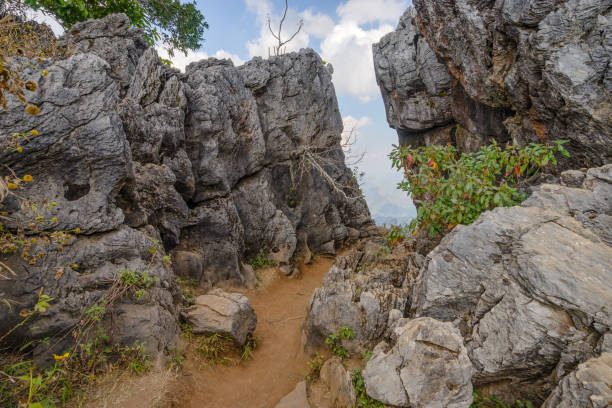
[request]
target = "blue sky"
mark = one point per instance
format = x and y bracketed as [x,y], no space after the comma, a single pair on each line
[342,32]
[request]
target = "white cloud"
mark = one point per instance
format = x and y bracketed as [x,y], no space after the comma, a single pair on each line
[180,60]
[369,11]
[353,124]
[349,48]
[318,25]
[40,17]
[347,44]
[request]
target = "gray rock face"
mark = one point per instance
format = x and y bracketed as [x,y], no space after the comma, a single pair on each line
[339,382]
[414,85]
[588,386]
[428,366]
[222,312]
[529,286]
[363,299]
[200,164]
[541,68]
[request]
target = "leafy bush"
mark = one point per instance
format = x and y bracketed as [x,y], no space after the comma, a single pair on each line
[450,188]
[178,25]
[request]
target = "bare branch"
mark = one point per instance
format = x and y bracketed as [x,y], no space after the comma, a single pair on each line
[278,49]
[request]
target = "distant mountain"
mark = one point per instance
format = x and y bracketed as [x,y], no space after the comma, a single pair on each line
[390,207]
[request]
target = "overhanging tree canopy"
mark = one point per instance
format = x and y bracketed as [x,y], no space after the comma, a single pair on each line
[180,26]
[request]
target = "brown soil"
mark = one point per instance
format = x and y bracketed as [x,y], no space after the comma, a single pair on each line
[279,362]
[278,365]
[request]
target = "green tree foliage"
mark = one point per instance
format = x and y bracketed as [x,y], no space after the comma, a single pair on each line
[450,188]
[180,26]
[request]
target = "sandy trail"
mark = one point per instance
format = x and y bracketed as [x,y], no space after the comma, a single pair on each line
[279,362]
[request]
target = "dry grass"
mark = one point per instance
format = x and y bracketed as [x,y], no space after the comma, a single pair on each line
[118,390]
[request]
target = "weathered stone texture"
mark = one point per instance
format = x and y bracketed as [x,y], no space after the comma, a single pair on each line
[137,154]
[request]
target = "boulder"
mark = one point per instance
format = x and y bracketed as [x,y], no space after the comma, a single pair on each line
[339,382]
[529,286]
[363,292]
[297,398]
[428,366]
[588,386]
[222,312]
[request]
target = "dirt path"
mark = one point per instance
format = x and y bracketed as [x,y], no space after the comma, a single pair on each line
[279,362]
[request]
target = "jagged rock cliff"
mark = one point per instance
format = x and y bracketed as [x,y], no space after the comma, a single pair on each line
[467,72]
[529,289]
[526,291]
[134,152]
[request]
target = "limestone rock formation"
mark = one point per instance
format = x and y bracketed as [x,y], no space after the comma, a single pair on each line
[540,68]
[415,87]
[201,166]
[529,286]
[222,312]
[587,386]
[365,298]
[428,366]
[339,382]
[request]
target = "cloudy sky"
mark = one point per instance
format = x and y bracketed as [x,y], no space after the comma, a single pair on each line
[342,31]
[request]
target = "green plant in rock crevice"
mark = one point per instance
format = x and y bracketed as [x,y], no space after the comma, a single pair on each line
[363,400]
[260,261]
[489,401]
[315,365]
[450,188]
[334,341]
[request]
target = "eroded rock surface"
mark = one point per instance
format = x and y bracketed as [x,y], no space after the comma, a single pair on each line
[297,398]
[339,383]
[198,165]
[529,286]
[364,293]
[540,68]
[588,386]
[428,366]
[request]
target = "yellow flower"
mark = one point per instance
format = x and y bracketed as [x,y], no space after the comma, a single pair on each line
[77,231]
[34,132]
[74,266]
[27,178]
[33,240]
[31,86]
[60,249]
[11,186]
[60,358]
[54,219]
[33,110]
[20,149]
[45,72]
